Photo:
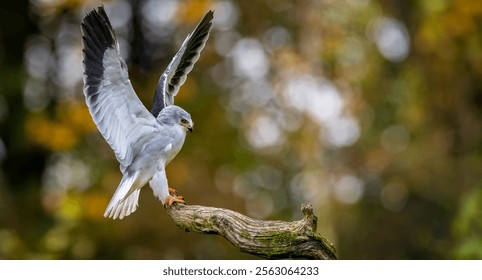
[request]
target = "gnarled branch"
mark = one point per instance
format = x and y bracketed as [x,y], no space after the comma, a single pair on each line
[267,239]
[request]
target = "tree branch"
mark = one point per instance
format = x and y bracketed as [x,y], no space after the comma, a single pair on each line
[267,239]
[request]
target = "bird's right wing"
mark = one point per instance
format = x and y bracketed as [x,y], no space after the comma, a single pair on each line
[115,108]
[176,73]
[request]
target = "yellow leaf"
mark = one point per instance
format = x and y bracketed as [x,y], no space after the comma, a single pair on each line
[193,10]
[77,115]
[94,206]
[50,135]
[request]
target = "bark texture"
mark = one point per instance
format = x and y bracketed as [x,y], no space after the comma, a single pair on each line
[267,239]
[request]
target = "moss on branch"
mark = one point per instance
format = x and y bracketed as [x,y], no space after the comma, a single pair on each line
[267,239]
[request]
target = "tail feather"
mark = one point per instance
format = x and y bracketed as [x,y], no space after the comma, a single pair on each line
[124,200]
[129,205]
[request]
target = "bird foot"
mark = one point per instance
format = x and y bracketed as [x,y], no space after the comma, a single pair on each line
[172,199]
[172,192]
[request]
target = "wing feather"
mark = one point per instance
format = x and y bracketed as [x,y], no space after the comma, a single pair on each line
[118,113]
[181,65]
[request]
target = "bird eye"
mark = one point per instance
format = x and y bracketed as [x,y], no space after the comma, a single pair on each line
[183,120]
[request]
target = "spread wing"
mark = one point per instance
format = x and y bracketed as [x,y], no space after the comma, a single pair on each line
[117,111]
[176,73]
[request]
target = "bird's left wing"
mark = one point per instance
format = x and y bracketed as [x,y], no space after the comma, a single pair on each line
[117,111]
[176,73]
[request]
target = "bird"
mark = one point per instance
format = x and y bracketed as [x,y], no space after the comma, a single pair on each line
[144,142]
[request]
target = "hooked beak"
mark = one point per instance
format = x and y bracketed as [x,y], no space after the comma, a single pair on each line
[187,125]
[190,127]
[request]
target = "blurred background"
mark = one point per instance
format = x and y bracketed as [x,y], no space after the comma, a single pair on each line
[370,110]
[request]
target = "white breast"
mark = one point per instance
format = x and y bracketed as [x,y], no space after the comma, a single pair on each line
[168,148]
[171,150]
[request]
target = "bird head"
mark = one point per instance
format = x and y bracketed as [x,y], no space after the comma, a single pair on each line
[175,115]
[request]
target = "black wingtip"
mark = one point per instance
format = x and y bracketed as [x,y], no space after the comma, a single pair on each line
[97,36]
[206,20]
[210,14]
[97,28]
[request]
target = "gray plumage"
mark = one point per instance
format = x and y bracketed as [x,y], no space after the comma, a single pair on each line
[181,65]
[143,143]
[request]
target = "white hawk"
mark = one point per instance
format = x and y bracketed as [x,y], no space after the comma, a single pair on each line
[144,142]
